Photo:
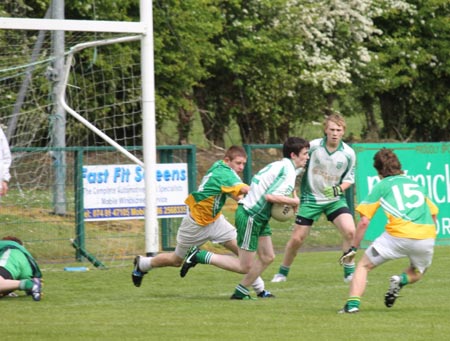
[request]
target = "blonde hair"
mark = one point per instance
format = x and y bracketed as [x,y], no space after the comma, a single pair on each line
[335,118]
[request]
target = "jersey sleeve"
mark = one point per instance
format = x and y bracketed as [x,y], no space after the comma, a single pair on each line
[434,210]
[5,158]
[234,190]
[369,206]
[349,175]
[283,182]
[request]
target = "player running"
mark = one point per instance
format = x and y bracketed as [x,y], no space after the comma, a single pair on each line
[272,184]
[410,231]
[329,173]
[205,221]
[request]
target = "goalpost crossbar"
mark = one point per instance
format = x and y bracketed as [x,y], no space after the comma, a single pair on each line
[72,25]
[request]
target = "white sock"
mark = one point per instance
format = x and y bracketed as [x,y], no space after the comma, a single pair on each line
[258,285]
[145,263]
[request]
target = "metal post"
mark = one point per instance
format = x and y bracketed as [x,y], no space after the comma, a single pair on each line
[58,117]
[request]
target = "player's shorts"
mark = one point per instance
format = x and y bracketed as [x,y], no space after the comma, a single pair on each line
[250,229]
[5,273]
[387,247]
[191,234]
[16,263]
[311,212]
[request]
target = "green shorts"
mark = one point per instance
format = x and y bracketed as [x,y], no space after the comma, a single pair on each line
[313,211]
[249,229]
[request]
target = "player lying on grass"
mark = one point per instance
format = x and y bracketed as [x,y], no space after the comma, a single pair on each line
[410,230]
[205,221]
[18,269]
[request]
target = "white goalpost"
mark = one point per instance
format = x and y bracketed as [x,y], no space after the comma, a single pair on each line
[61,96]
[143,32]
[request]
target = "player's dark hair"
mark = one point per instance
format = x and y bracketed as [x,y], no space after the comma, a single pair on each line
[294,145]
[14,239]
[234,152]
[387,163]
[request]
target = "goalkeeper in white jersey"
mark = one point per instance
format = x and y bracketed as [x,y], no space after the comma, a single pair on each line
[409,233]
[330,171]
[273,184]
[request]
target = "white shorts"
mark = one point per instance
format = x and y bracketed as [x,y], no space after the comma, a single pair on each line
[387,247]
[191,234]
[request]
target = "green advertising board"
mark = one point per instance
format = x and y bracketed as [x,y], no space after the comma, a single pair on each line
[427,163]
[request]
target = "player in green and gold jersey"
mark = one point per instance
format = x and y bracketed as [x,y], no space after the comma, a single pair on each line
[275,183]
[205,221]
[410,231]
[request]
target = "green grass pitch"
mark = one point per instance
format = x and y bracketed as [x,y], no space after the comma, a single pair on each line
[104,305]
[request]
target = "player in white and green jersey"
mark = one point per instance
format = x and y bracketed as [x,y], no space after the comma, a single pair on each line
[272,184]
[327,168]
[410,231]
[330,171]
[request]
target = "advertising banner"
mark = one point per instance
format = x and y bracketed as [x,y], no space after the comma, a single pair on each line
[113,192]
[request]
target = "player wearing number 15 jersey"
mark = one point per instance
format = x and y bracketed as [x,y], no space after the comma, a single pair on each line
[410,230]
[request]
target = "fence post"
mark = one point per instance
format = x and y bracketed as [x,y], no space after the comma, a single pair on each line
[79,203]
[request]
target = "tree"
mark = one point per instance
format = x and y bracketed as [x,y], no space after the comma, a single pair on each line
[253,75]
[409,71]
[281,63]
[183,52]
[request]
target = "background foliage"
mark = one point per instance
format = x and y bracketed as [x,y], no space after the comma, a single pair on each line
[267,67]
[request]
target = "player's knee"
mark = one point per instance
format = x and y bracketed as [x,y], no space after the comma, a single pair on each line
[245,268]
[267,259]
[348,234]
[296,242]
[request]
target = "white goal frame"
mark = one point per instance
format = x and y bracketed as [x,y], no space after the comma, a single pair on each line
[145,29]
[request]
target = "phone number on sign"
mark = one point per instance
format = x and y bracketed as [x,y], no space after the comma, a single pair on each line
[132,212]
[119,212]
[172,210]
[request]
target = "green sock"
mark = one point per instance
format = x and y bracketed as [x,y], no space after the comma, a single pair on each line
[349,269]
[204,257]
[404,279]
[353,302]
[241,291]
[284,270]
[26,284]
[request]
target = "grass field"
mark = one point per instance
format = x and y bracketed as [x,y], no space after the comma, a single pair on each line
[104,305]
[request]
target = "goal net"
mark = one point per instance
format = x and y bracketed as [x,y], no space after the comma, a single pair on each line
[104,88]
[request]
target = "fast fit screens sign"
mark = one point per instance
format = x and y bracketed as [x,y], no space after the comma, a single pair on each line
[427,163]
[113,192]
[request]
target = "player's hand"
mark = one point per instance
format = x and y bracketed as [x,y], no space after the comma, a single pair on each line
[333,191]
[348,255]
